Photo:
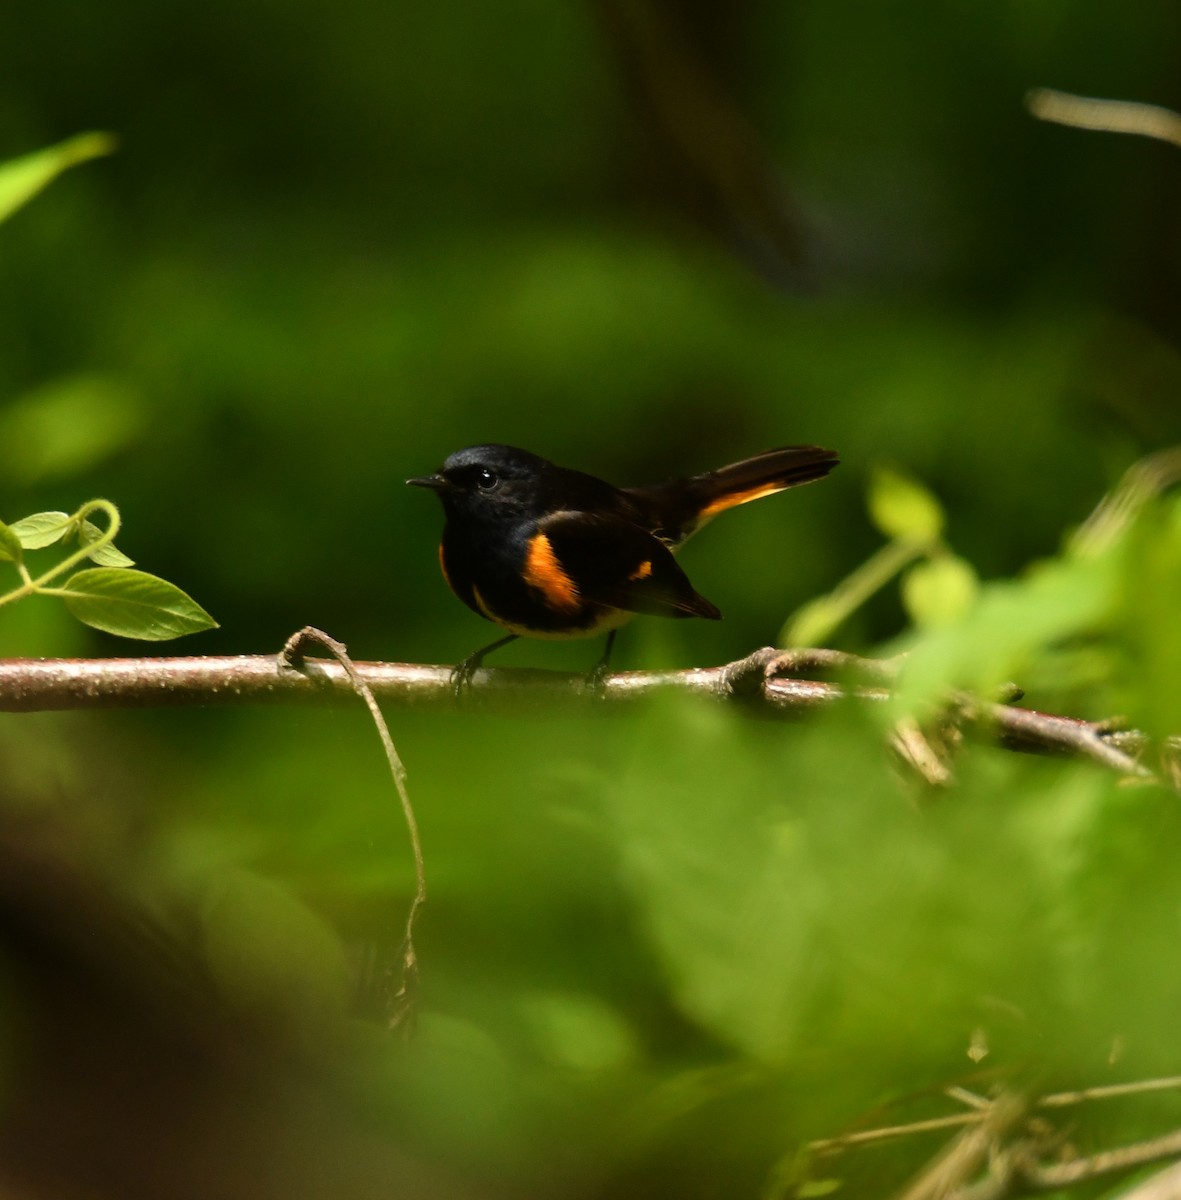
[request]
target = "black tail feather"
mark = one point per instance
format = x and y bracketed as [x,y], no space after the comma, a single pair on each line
[678,509]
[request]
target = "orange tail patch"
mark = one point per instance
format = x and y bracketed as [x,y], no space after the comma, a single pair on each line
[733,499]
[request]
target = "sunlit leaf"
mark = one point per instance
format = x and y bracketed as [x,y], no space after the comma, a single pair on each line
[11,549]
[940,590]
[902,508]
[816,1188]
[1010,621]
[106,556]
[1148,619]
[22,178]
[41,529]
[134,604]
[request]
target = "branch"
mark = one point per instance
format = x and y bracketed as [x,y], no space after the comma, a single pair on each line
[1018,1152]
[1161,1185]
[960,1160]
[1107,116]
[54,684]
[1109,1162]
[979,1108]
[761,682]
[1017,1172]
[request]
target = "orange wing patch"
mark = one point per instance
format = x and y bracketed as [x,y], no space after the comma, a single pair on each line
[545,573]
[642,571]
[732,499]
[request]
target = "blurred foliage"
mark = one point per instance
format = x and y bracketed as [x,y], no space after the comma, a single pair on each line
[22,178]
[662,954]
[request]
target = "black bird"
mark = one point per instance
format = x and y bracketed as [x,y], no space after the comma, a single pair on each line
[548,552]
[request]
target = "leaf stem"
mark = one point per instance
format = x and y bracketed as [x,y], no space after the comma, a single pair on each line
[873,575]
[31,585]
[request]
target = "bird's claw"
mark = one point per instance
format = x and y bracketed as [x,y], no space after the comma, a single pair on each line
[462,674]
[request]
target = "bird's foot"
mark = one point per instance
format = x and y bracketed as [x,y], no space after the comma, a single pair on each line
[462,673]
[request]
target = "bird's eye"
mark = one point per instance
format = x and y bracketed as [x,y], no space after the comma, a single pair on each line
[486,480]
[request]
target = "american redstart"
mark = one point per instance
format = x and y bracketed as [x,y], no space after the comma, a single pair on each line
[548,552]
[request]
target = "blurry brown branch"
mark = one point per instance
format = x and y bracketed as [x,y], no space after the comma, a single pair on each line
[1107,116]
[768,681]
[1161,1185]
[715,165]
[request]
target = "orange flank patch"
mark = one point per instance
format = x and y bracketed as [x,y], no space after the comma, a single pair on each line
[732,499]
[641,572]
[443,567]
[545,573]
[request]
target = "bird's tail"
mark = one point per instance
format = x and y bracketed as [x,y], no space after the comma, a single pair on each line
[764,475]
[686,505]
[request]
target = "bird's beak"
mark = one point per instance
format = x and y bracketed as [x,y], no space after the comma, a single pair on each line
[437,483]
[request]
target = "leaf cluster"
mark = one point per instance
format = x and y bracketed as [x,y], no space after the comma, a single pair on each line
[111,595]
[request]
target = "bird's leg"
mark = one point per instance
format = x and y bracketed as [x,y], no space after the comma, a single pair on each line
[461,673]
[598,672]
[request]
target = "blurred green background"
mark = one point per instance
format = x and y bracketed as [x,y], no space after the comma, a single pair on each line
[335,245]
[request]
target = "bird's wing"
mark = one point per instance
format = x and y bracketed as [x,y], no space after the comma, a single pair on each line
[578,557]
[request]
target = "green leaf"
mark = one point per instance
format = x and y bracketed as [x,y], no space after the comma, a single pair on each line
[761,882]
[1009,623]
[902,508]
[105,556]
[67,426]
[1147,630]
[22,178]
[11,549]
[41,529]
[815,1188]
[133,604]
[577,1032]
[939,591]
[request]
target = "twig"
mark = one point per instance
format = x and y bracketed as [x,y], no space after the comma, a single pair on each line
[1047,733]
[399,998]
[964,1096]
[1162,1185]
[818,659]
[956,1163]
[760,682]
[1016,1168]
[911,745]
[980,1106]
[1110,1091]
[1108,1162]
[1108,116]
[1016,1171]
[866,1137]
